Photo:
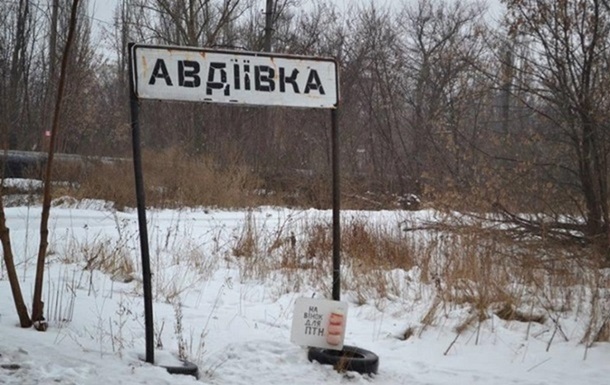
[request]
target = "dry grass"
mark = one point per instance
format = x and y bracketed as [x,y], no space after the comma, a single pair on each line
[456,265]
[172,179]
[465,275]
[104,254]
[464,266]
[110,182]
[60,298]
[375,247]
[247,244]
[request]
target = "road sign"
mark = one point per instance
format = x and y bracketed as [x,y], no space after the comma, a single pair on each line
[319,323]
[235,77]
[240,78]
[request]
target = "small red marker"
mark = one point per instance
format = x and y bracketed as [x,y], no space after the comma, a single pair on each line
[335,328]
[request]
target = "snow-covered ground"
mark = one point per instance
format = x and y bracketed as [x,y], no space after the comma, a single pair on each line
[236,326]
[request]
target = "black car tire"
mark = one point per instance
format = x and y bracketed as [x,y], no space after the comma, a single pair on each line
[187,369]
[351,359]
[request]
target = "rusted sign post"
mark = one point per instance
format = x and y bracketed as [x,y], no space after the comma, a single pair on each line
[230,77]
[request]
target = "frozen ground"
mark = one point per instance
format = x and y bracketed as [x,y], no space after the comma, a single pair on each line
[237,327]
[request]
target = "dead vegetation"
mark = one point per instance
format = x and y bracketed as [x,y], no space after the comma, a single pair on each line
[472,267]
[491,268]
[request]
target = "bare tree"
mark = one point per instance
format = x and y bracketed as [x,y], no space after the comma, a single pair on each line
[568,77]
[372,65]
[188,22]
[441,42]
[37,304]
[15,22]
[251,30]
[20,27]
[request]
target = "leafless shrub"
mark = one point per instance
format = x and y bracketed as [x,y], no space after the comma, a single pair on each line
[108,257]
[61,296]
[247,243]
[102,253]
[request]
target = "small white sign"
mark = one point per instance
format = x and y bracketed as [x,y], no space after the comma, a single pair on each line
[237,77]
[319,323]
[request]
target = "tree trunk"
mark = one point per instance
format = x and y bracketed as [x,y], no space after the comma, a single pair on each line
[592,176]
[9,129]
[37,305]
[22,311]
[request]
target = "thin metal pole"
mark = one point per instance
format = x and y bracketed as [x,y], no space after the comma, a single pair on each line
[141,202]
[336,205]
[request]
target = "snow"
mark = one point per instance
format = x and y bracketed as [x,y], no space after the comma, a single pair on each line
[236,320]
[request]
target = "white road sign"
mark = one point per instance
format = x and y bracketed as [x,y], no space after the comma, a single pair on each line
[319,323]
[248,78]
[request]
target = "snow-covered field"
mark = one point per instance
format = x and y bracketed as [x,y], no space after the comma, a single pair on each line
[236,326]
